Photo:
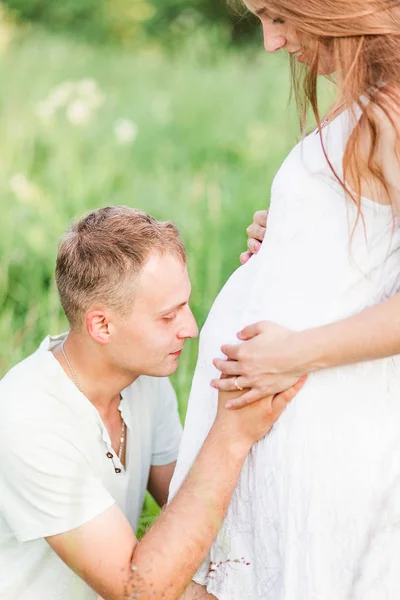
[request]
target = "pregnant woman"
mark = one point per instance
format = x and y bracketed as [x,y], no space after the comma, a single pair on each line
[316,512]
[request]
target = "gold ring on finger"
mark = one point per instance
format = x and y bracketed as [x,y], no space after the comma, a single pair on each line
[238,386]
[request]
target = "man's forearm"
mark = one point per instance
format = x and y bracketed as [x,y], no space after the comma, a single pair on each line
[183,534]
[196,592]
[371,334]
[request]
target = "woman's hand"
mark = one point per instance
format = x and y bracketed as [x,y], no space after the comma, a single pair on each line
[256,233]
[264,364]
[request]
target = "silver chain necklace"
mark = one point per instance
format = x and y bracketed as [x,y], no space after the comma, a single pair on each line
[76,381]
[74,377]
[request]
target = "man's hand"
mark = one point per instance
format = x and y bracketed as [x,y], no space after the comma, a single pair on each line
[264,364]
[256,233]
[255,419]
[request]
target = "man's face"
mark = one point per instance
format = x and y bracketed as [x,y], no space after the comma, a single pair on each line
[150,339]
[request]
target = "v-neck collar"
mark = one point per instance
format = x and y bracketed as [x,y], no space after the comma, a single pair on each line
[73,396]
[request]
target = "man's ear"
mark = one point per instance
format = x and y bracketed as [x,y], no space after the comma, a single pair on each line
[98,326]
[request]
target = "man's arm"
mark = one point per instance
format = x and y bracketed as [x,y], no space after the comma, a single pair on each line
[194,591]
[105,552]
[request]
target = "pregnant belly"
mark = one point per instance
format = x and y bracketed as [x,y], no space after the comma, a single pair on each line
[255,293]
[350,411]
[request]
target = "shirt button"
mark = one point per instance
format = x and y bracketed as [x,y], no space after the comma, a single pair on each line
[109,455]
[117,470]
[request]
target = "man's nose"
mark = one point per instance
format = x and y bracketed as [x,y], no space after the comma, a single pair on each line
[273,41]
[189,327]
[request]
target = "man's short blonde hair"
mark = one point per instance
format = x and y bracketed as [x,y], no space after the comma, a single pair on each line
[100,258]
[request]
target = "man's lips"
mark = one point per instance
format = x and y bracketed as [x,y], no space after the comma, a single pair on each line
[178,353]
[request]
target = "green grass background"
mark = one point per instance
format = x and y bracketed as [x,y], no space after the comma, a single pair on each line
[213,126]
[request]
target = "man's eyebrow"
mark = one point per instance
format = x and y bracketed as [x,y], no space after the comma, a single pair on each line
[165,311]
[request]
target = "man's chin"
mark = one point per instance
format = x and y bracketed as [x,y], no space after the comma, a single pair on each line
[171,370]
[165,370]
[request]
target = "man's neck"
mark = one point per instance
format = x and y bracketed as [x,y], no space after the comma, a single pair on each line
[100,382]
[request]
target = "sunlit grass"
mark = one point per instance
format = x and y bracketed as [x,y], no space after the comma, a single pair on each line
[195,138]
[197,143]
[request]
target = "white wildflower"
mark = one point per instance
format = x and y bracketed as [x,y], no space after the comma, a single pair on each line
[81,98]
[88,90]
[56,99]
[61,94]
[125,131]
[79,112]
[22,188]
[87,87]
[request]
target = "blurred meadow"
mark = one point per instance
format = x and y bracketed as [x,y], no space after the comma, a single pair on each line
[182,118]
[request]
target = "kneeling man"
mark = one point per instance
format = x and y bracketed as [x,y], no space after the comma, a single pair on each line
[89,422]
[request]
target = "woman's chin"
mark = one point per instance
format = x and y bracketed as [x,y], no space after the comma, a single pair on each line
[324,68]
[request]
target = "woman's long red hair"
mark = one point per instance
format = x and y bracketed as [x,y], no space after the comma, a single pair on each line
[363,38]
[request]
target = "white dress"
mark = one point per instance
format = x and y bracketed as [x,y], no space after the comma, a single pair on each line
[316,512]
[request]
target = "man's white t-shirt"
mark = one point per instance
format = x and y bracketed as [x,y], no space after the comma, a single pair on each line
[55,474]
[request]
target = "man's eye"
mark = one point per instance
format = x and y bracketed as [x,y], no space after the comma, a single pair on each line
[278,21]
[169,318]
